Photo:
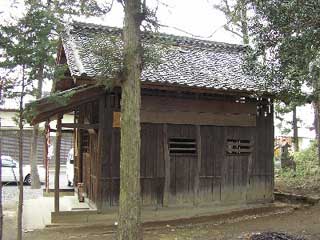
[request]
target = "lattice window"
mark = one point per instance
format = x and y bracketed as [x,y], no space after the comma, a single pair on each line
[182,145]
[239,146]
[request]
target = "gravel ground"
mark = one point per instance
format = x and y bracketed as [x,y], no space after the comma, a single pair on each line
[10,191]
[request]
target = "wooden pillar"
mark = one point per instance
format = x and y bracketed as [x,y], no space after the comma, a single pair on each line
[197,168]
[250,169]
[57,165]
[166,191]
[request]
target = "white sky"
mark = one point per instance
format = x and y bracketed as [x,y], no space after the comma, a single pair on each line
[194,16]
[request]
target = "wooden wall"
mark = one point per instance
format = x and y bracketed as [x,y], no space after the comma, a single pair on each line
[209,175]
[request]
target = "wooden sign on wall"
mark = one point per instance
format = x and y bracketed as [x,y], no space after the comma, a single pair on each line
[116,120]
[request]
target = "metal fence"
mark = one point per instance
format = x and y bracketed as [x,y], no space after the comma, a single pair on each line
[10,145]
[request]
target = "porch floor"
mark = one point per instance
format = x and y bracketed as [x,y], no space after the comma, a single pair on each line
[37,212]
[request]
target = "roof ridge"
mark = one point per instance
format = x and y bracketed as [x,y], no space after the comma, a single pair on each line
[166,36]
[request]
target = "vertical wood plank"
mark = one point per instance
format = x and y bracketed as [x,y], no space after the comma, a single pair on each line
[197,167]
[166,191]
[57,165]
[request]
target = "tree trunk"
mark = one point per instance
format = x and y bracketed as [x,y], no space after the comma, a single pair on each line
[35,180]
[20,203]
[244,22]
[130,203]
[295,129]
[1,211]
[316,105]
[46,152]
[57,166]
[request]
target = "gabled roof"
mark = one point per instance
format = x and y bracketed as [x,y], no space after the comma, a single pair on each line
[184,61]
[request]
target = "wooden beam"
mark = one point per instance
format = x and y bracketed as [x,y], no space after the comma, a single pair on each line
[57,165]
[197,168]
[166,191]
[80,125]
[63,130]
[198,118]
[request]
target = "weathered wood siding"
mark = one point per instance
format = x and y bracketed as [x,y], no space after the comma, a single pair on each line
[159,109]
[207,175]
[86,153]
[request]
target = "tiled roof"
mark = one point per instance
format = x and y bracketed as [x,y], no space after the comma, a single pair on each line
[183,61]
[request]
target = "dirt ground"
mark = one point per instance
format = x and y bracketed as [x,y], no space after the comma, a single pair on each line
[310,190]
[304,221]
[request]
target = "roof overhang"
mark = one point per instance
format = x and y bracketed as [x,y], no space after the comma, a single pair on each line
[205,90]
[48,107]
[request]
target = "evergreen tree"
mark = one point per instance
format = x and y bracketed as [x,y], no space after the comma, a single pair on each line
[286,36]
[28,45]
[16,59]
[44,19]
[238,23]
[135,57]
[236,13]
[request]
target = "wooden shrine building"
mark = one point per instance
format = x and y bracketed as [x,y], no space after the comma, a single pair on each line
[206,125]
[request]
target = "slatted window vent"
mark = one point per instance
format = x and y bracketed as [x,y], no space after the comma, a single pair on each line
[182,145]
[85,141]
[239,146]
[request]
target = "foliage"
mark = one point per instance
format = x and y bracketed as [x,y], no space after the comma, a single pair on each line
[307,174]
[286,41]
[33,38]
[235,12]
[108,48]
[281,109]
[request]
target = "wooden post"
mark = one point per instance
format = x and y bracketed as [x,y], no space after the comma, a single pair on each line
[197,168]
[166,191]
[57,164]
[250,168]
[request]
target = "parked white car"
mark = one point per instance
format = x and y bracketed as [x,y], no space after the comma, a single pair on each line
[10,171]
[70,168]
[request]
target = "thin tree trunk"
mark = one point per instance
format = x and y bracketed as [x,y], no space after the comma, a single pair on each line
[1,211]
[57,166]
[130,203]
[35,180]
[46,152]
[316,105]
[295,129]
[244,22]
[20,203]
